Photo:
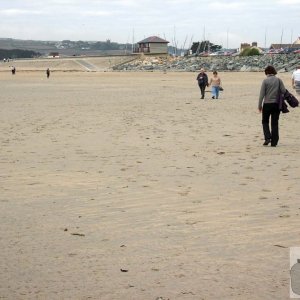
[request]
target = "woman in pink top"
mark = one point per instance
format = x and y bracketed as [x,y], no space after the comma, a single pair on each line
[215,83]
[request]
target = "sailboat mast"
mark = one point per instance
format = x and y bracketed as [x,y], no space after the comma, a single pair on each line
[227,39]
[266,38]
[132,40]
[281,36]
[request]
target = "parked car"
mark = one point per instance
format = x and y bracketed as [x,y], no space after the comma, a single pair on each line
[218,53]
[204,53]
[288,50]
[228,53]
[274,51]
[296,51]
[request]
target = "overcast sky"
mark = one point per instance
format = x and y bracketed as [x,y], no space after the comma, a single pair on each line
[225,22]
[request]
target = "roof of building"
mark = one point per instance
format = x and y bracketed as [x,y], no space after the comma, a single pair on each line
[153,39]
[279,46]
[297,42]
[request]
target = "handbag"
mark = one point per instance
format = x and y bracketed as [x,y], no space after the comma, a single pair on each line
[221,88]
[280,100]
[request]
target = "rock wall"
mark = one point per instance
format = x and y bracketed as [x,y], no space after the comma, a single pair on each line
[282,63]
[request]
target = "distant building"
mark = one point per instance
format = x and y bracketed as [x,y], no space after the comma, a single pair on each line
[53,54]
[297,42]
[252,46]
[244,46]
[152,45]
[280,46]
[295,45]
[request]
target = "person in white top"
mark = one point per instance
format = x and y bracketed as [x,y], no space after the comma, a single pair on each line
[296,80]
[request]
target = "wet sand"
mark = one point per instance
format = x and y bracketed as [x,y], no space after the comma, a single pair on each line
[128,186]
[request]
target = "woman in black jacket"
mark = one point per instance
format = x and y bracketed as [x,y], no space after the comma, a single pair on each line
[268,104]
[202,82]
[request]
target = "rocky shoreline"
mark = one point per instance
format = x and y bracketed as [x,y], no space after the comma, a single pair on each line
[282,62]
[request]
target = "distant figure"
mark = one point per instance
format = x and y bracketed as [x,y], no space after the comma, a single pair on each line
[268,105]
[202,82]
[48,73]
[296,80]
[13,70]
[215,83]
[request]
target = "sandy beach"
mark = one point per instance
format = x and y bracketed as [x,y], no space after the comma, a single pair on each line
[129,186]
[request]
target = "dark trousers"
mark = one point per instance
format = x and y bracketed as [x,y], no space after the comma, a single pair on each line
[271,109]
[202,89]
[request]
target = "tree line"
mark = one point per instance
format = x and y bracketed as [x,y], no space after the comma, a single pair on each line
[107,45]
[17,53]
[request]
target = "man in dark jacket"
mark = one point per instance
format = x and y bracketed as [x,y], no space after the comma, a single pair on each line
[202,82]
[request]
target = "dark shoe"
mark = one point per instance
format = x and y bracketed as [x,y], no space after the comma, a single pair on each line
[202,98]
[213,97]
[267,142]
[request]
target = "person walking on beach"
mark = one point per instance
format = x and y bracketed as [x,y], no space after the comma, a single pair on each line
[48,73]
[268,105]
[215,83]
[202,82]
[296,80]
[13,70]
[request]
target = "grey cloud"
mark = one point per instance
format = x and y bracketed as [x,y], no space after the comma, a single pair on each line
[17,12]
[116,18]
